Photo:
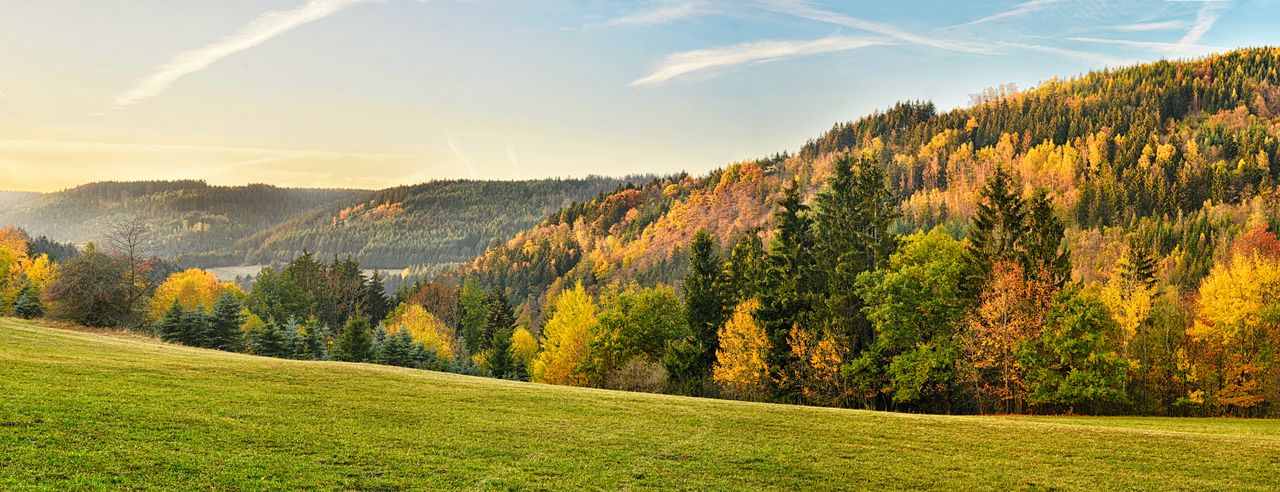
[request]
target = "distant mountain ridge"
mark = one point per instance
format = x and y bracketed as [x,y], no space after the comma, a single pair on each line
[206,225]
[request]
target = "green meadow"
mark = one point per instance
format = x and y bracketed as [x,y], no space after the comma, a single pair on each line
[90,411]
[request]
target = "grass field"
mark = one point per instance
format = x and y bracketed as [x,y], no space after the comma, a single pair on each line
[92,411]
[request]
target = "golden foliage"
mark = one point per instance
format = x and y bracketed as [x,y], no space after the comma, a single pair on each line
[192,289]
[524,347]
[565,337]
[425,328]
[741,369]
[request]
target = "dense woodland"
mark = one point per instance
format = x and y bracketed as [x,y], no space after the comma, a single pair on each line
[424,227]
[1104,244]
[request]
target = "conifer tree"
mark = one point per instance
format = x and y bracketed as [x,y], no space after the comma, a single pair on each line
[376,303]
[743,276]
[500,323]
[704,301]
[355,341]
[28,305]
[313,343]
[997,229]
[788,299]
[272,342]
[224,324]
[1042,245]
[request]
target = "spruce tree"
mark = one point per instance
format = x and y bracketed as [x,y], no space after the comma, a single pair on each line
[179,326]
[224,324]
[376,303]
[355,341]
[852,218]
[788,298]
[312,345]
[272,342]
[997,229]
[28,305]
[499,325]
[743,276]
[1042,245]
[703,299]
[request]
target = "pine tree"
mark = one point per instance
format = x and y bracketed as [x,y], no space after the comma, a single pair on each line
[376,303]
[704,301]
[1042,245]
[355,341]
[224,324]
[182,326]
[28,305]
[500,323]
[997,229]
[313,344]
[272,342]
[743,276]
[788,299]
[851,224]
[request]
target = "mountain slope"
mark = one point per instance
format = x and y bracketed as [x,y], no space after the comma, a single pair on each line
[1175,154]
[119,411]
[190,219]
[434,223]
[431,224]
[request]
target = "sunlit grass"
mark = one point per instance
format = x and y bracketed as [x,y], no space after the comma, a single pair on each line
[91,411]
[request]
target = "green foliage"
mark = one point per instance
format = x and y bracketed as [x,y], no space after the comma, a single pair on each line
[224,324]
[28,305]
[278,340]
[1073,364]
[916,305]
[471,301]
[499,325]
[354,342]
[789,297]
[636,324]
[91,289]
[704,303]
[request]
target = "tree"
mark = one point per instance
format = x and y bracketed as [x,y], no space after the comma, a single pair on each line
[473,312]
[273,341]
[426,329]
[852,218]
[565,338]
[93,290]
[192,289]
[743,276]
[313,343]
[376,303]
[1042,246]
[524,347]
[637,324]
[28,305]
[704,304]
[277,296]
[499,325]
[224,323]
[1011,311]
[997,229]
[789,298]
[130,240]
[1073,363]
[742,369]
[354,342]
[916,306]
[188,327]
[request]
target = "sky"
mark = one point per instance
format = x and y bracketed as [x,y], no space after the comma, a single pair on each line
[377,93]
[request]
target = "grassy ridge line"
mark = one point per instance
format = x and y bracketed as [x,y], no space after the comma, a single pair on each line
[84,410]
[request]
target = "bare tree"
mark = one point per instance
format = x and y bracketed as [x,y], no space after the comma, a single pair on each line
[129,240]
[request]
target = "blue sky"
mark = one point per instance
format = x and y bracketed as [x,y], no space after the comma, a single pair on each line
[373,93]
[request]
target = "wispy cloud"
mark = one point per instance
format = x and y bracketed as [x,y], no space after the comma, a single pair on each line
[1149,26]
[802,9]
[661,15]
[258,31]
[1017,10]
[684,64]
[1206,17]
[1161,47]
[3,95]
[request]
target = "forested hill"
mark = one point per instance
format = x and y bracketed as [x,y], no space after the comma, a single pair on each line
[190,219]
[1176,157]
[430,224]
[434,223]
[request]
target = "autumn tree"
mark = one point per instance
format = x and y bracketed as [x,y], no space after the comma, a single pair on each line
[424,328]
[1011,311]
[1073,364]
[565,338]
[93,289]
[742,369]
[192,289]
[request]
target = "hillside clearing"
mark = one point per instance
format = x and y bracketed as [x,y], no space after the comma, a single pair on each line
[87,411]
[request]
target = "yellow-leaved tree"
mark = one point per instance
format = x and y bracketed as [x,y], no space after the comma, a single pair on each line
[564,340]
[741,370]
[1235,335]
[425,328]
[524,347]
[192,289]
